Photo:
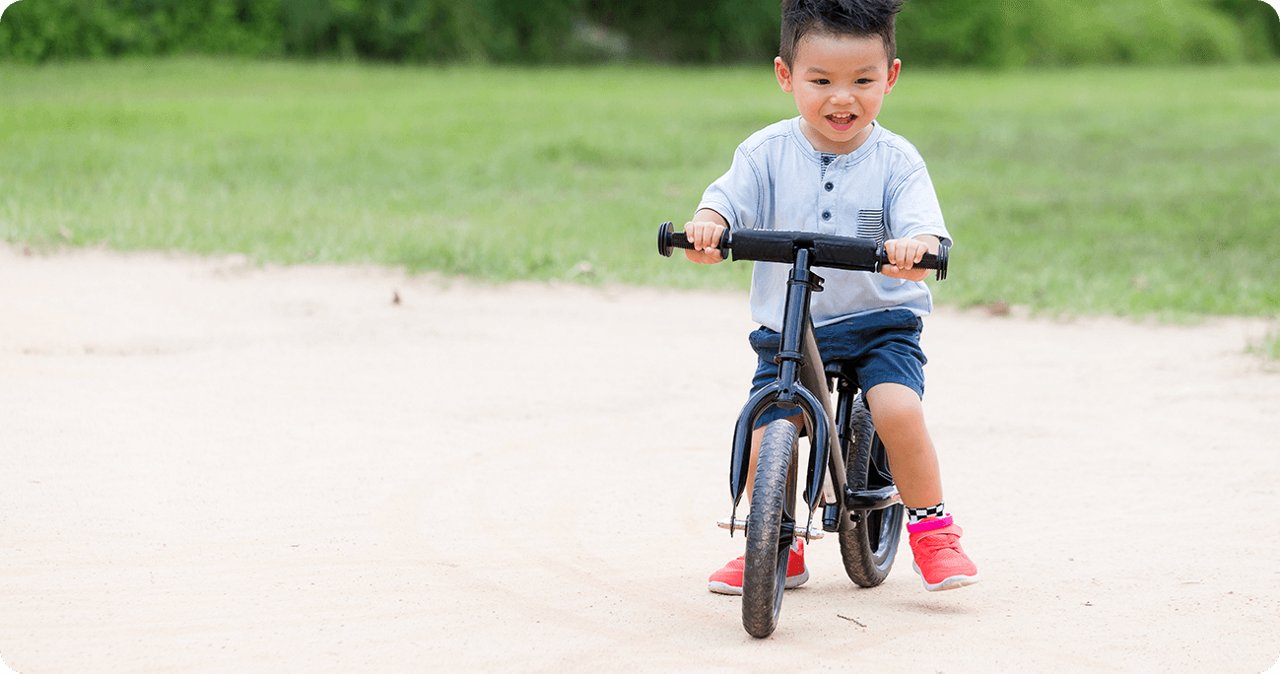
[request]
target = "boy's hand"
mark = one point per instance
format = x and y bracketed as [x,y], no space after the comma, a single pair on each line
[905,253]
[705,237]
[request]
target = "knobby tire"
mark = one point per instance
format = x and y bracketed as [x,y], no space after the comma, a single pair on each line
[770,529]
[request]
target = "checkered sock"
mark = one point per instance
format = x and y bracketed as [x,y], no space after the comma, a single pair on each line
[916,514]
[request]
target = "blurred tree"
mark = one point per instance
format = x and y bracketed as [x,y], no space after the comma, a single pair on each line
[1050,32]
[993,33]
[976,32]
[1259,24]
[396,30]
[708,31]
[533,31]
[53,29]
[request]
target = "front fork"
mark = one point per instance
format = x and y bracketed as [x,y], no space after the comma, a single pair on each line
[801,383]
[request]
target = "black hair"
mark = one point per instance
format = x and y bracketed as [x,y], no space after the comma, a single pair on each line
[858,18]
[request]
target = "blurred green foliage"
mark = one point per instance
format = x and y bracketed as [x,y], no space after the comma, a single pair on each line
[389,30]
[709,31]
[1004,33]
[993,33]
[61,29]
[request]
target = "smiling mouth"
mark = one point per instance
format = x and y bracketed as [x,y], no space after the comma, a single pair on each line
[841,120]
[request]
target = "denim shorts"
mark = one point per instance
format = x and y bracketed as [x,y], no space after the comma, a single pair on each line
[883,347]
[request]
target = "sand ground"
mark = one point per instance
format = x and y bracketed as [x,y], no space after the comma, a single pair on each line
[206,466]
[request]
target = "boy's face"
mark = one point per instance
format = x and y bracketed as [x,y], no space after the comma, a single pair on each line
[839,83]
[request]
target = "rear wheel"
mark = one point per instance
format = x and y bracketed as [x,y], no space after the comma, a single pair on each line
[770,529]
[868,549]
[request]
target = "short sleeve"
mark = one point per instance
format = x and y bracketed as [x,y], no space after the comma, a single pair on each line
[913,208]
[737,194]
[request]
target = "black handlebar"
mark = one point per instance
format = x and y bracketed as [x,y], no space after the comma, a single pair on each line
[827,250]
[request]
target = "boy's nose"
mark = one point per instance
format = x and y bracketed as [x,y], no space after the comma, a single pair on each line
[842,97]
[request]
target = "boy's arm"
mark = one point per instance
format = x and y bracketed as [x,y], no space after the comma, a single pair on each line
[704,232]
[904,253]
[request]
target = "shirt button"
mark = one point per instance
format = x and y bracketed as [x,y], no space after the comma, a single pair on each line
[829,186]
[826,215]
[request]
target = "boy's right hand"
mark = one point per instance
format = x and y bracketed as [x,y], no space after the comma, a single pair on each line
[705,237]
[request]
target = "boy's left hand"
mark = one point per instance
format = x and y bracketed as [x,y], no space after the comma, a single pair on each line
[905,253]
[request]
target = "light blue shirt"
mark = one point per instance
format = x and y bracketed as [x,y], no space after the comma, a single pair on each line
[882,191]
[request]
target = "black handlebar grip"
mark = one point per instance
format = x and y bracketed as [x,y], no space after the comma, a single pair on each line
[668,238]
[929,261]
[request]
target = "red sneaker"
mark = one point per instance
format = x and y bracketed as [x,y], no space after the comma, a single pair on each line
[939,560]
[728,580]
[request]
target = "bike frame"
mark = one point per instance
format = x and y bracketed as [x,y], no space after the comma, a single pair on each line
[802,383]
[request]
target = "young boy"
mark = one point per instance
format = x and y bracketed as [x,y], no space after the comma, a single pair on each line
[833,169]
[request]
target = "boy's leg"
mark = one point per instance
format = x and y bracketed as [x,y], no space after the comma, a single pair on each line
[898,415]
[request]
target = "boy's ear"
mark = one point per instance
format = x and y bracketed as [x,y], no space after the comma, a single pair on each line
[783,73]
[894,69]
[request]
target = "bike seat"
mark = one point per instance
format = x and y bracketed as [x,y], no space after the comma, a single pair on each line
[841,373]
[840,368]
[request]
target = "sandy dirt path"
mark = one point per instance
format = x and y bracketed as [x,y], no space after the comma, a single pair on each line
[211,467]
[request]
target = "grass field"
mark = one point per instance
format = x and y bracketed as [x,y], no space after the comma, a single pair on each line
[1132,191]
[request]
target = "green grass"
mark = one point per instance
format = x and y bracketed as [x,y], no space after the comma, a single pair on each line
[1133,191]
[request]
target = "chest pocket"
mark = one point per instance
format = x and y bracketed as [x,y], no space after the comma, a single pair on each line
[871,224]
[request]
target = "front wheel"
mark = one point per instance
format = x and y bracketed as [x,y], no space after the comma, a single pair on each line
[869,548]
[770,529]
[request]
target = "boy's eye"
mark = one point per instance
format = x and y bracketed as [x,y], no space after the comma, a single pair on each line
[822,82]
[864,81]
